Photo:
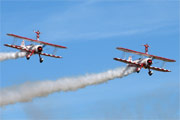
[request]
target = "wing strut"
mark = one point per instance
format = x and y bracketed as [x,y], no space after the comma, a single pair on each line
[124,55]
[55,50]
[14,41]
[163,64]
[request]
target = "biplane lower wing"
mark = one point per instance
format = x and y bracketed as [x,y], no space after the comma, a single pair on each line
[50,55]
[18,47]
[159,69]
[37,41]
[144,54]
[126,61]
[133,63]
[25,49]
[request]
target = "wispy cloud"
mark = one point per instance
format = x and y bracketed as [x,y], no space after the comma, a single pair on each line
[98,35]
[101,19]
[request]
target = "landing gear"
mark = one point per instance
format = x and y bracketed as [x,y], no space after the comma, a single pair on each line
[138,69]
[27,58]
[150,73]
[40,58]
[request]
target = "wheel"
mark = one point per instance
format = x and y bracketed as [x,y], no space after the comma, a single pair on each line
[150,73]
[27,58]
[41,60]
[138,70]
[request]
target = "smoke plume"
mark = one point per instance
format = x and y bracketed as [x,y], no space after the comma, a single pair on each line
[27,91]
[11,55]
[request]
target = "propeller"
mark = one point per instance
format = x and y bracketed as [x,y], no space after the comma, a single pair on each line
[155,62]
[43,46]
[46,48]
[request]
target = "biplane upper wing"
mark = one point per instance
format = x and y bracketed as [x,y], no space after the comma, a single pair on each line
[50,55]
[144,54]
[18,47]
[126,61]
[159,69]
[37,41]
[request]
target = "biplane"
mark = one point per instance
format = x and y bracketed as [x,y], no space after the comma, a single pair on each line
[32,48]
[143,62]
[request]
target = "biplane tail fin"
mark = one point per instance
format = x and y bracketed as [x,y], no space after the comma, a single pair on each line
[130,59]
[23,44]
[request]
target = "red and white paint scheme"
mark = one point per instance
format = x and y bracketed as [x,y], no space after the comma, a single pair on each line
[33,49]
[143,62]
[146,48]
[37,34]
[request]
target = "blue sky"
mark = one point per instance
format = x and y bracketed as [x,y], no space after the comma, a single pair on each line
[92,30]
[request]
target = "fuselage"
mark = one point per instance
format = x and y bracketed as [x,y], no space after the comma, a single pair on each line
[35,49]
[144,62]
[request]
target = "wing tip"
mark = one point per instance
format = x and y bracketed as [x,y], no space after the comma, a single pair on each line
[118,48]
[116,58]
[170,60]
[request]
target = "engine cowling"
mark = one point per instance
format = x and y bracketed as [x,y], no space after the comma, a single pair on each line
[149,62]
[39,49]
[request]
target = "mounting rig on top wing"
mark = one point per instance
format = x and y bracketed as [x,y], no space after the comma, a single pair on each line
[143,62]
[34,49]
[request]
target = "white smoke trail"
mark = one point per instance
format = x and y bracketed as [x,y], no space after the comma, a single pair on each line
[27,91]
[11,55]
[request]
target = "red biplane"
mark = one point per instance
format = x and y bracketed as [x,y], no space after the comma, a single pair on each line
[143,62]
[34,49]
